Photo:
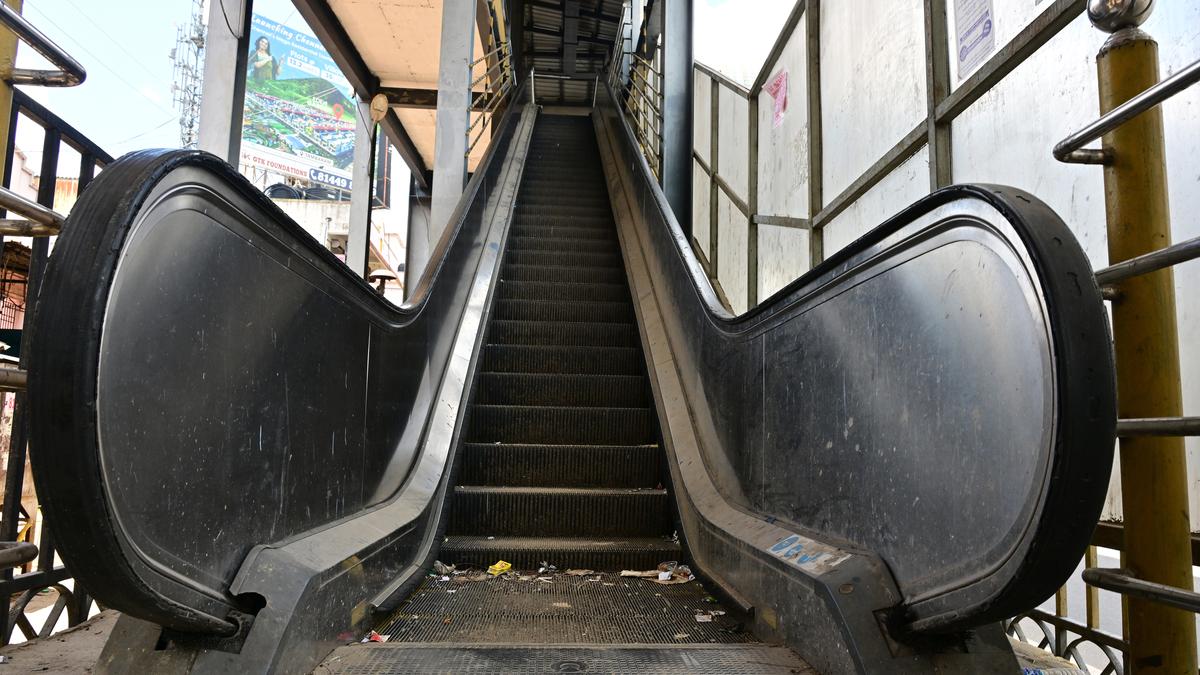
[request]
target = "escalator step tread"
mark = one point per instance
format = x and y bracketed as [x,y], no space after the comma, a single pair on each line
[579,360]
[595,311]
[565,232]
[564,334]
[556,273]
[515,465]
[573,259]
[489,510]
[567,290]
[560,425]
[562,244]
[555,389]
[570,610]
[469,656]
[564,552]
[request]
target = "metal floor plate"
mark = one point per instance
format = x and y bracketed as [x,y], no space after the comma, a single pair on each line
[379,659]
[565,610]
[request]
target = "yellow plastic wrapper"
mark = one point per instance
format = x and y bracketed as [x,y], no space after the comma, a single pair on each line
[499,568]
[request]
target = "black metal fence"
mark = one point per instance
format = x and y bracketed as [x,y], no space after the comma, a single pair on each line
[22,588]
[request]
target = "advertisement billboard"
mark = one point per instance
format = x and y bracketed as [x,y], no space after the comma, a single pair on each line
[299,115]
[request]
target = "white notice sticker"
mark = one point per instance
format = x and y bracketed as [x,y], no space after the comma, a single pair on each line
[975,34]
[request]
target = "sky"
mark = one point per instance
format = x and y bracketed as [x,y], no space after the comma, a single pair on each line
[125,102]
[734,37]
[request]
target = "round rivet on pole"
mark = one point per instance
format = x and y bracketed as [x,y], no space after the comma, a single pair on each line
[1111,16]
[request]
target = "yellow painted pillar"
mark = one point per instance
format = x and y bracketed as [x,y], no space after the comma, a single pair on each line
[1154,484]
[8,55]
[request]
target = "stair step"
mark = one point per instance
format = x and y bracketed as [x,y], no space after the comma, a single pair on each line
[524,464]
[562,244]
[596,221]
[558,273]
[569,259]
[541,290]
[564,310]
[558,512]
[527,553]
[554,333]
[573,360]
[558,210]
[563,232]
[553,389]
[560,425]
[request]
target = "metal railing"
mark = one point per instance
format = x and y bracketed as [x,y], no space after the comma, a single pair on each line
[18,547]
[498,80]
[636,79]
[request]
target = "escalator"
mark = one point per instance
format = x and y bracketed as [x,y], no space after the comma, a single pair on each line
[257,459]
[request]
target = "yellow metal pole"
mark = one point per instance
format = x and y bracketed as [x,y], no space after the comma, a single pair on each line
[8,55]
[1153,470]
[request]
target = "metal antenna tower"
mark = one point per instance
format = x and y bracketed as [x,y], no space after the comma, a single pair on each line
[187,57]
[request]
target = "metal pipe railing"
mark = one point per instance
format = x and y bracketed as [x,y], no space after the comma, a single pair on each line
[1150,262]
[70,72]
[1071,148]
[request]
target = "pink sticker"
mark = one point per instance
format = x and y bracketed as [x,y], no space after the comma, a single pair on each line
[778,91]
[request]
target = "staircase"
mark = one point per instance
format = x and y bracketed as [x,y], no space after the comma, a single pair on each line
[561,461]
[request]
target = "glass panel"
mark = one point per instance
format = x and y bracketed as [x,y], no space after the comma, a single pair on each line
[733,137]
[701,211]
[783,147]
[872,83]
[731,252]
[702,122]
[782,257]
[908,183]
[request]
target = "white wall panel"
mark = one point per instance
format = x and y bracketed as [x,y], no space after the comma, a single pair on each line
[782,257]
[908,183]
[702,111]
[1009,18]
[731,252]
[872,83]
[783,151]
[701,212]
[733,140]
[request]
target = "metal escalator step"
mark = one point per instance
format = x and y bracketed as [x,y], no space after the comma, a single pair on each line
[527,553]
[569,259]
[561,211]
[558,273]
[602,222]
[564,310]
[498,358]
[560,244]
[558,512]
[553,333]
[522,464]
[560,425]
[541,290]
[612,391]
[564,232]
[469,656]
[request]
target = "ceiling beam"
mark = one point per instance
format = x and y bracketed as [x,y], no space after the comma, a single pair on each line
[422,99]
[550,32]
[595,14]
[333,37]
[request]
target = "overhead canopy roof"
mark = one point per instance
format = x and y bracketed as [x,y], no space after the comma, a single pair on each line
[392,47]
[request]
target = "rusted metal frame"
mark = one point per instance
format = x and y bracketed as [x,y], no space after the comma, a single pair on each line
[1040,31]
[69,74]
[752,205]
[816,190]
[937,88]
[724,81]
[1112,646]
[714,230]
[785,36]
[783,221]
[906,148]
